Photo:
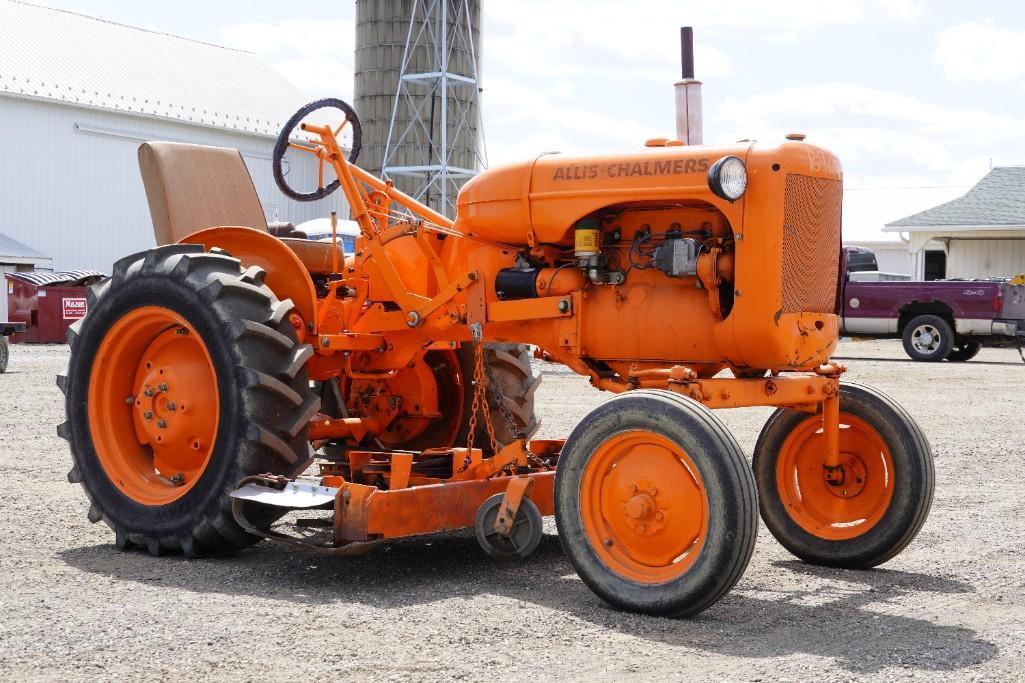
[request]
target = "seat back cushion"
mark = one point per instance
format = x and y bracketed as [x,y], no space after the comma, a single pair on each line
[193,187]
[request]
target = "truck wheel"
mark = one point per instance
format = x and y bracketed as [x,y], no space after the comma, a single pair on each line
[184,377]
[963,352]
[5,354]
[878,507]
[655,504]
[510,365]
[928,338]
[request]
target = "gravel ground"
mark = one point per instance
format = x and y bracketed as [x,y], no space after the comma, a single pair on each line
[950,606]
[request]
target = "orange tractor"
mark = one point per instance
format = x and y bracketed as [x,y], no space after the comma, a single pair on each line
[215,369]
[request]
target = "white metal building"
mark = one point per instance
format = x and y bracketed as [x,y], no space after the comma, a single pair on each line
[77,97]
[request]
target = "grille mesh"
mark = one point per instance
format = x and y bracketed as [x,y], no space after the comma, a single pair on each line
[811,243]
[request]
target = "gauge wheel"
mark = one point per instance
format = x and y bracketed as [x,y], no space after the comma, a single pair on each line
[656,504]
[184,377]
[526,533]
[868,514]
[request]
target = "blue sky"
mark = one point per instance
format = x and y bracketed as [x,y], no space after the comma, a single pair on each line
[907,92]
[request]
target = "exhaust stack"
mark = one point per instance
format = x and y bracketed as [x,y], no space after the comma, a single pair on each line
[688,93]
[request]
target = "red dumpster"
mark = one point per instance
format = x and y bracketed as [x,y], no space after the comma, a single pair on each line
[48,303]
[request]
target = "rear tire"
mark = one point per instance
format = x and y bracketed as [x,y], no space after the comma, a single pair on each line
[964,352]
[928,338]
[510,364]
[887,463]
[262,394]
[5,354]
[656,504]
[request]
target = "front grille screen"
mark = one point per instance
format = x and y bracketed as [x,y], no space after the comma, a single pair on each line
[811,243]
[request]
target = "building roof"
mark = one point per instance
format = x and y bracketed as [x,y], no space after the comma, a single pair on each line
[72,278]
[12,248]
[62,56]
[996,202]
[867,209]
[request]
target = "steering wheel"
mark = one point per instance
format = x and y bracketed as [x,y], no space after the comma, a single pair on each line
[282,144]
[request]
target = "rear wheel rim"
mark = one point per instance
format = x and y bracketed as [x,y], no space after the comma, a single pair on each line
[644,507]
[857,500]
[153,405]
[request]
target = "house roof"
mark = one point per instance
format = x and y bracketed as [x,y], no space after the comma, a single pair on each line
[867,209]
[12,248]
[72,58]
[996,202]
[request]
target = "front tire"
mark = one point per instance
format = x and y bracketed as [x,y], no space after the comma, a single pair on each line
[184,377]
[884,495]
[655,504]
[928,338]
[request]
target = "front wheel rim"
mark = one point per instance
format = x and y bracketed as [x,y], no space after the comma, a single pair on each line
[153,405]
[926,339]
[644,507]
[844,507]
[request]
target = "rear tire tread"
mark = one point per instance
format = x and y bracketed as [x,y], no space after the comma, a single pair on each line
[269,373]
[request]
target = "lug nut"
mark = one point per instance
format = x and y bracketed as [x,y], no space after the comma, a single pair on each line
[148,393]
[171,406]
[161,424]
[163,386]
[147,415]
[130,400]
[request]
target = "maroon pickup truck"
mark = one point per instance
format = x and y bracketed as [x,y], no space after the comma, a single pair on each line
[938,319]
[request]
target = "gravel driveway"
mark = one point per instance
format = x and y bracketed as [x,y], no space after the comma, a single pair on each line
[950,606]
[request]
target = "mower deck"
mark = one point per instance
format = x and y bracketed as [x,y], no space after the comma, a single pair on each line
[379,495]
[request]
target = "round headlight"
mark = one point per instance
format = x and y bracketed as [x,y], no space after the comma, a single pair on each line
[728,178]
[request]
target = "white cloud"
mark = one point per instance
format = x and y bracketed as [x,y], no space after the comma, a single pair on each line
[888,137]
[317,55]
[522,121]
[642,40]
[981,51]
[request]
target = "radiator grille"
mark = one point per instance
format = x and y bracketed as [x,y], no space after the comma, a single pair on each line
[811,243]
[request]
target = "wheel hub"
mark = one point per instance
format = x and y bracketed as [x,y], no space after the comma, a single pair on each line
[926,338]
[847,479]
[645,511]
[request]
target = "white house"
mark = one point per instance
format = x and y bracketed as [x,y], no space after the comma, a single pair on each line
[982,233]
[77,97]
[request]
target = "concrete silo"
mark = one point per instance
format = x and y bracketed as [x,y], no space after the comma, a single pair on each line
[417,93]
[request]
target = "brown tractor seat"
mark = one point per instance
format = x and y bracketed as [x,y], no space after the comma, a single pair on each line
[194,187]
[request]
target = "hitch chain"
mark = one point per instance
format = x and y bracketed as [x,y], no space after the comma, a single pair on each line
[480,399]
[484,378]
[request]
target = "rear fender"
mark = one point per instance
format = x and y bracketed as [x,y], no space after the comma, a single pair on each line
[286,274]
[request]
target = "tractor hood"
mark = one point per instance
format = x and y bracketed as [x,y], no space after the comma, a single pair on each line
[551,192]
